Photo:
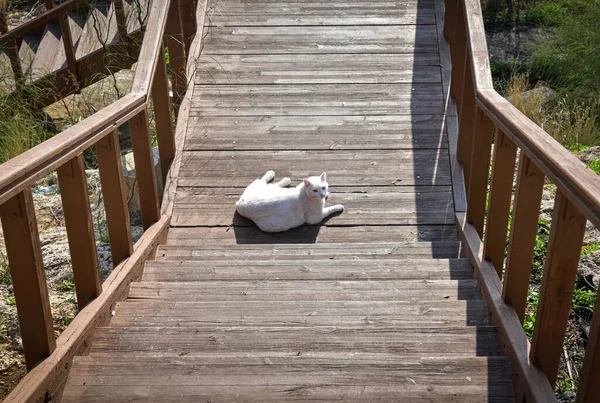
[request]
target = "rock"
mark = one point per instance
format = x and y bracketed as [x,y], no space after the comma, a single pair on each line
[130,179]
[544,93]
[588,155]
[589,268]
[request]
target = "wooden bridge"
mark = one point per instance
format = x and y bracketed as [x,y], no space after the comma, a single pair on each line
[396,299]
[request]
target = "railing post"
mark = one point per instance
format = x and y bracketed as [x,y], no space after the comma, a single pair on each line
[115,197]
[177,54]
[15,61]
[450,21]
[80,230]
[28,277]
[122,26]
[69,49]
[589,384]
[49,4]
[163,116]
[459,56]
[556,292]
[526,210]
[503,171]
[3,21]
[188,19]
[480,164]
[466,123]
[143,157]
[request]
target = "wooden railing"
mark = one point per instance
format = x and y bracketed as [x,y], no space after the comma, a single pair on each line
[84,71]
[48,358]
[485,117]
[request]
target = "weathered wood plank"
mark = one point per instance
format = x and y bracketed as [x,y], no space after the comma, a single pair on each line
[363,206]
[28,276]
[80,230]
[226,236]
[343,12]
[285,40]
[315,132]
[344,168]
[314,269]
[318,69]
[271,290]
[153,341]
[301,313]
[331,251]
[317,99]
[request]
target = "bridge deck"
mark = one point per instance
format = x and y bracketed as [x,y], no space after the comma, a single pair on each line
[373,304]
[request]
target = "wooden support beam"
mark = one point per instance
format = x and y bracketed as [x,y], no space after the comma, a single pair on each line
[466,123]
[556,292]
[163,116]
[526,210]
[589,384]
[3,21]
[49,4]
[177,55]
[80,230]
[480,166]
[28,277]
[115,197]
[503,171]
[15,61]
[143,157]
[451,8]
[67,38]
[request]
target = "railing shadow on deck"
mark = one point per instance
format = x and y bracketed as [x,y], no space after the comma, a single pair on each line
[48,359]
[485,117]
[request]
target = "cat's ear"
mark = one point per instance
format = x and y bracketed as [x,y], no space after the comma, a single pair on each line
[306,182]
[324,176]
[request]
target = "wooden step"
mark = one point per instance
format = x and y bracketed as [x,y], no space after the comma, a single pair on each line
[445,312]
[303,251]
[363,206]
[28,49]
[315,269]
[100,29]
[136,14]
[269,290]
[50,52]
[276,379]
[227,236]
[288,340]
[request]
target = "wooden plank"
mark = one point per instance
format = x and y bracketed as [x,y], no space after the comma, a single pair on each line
[276,379]
[344,168]
[46,380]
[478,50]
[558,281]
[80,230]
[314,269]
[177,55]
[270,290]
[480,165]
[341,12]
[589,387]
[410,314]
[100,29]
[50,47]
[163,116]
[503,171]
[363,206]
[114,193]
[457,342]
[318,99]
[136,12]
[68,46]
[529,381]
[143,157]
[28,277]
[318,69]
[331,251]
[225,236]
[528,196]
[315,132]
[285,40]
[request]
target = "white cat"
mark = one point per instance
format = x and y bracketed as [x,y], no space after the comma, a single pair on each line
[275,208]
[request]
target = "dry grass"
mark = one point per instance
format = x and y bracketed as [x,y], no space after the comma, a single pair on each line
[571,122]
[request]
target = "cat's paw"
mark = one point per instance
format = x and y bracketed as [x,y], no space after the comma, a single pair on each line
[285,182]
[269,176]
[339,207]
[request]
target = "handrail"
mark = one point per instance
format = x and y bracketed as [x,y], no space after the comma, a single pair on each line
[505,279]
[47,359]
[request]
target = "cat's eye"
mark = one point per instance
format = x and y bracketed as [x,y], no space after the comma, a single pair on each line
[315,190]
[323,188]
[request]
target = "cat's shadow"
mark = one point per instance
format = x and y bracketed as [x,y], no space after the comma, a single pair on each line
[246,232]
